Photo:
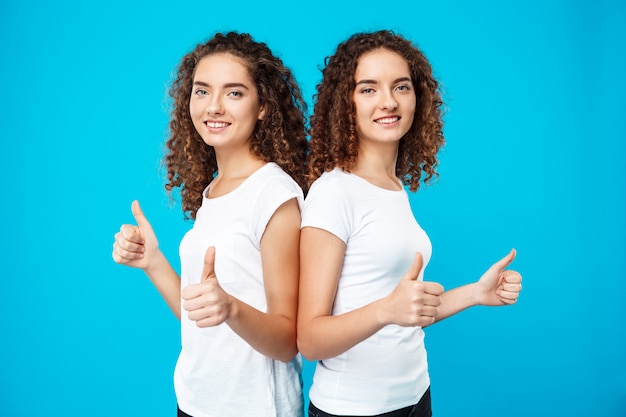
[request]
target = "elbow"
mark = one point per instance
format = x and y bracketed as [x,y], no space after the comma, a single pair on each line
[307,350]
[309,342]
[287,350]
[287,355]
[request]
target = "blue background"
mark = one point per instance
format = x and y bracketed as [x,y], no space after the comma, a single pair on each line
[535,159]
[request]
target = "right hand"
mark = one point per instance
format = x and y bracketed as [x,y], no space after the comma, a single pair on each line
[413,302]
[136,246]
[206,302]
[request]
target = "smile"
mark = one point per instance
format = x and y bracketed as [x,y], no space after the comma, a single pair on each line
[216,125]
[387,120]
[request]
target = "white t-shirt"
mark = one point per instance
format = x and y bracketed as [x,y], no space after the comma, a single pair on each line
[388,370]
[218,374]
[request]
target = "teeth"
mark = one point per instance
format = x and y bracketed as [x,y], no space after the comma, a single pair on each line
[387,120]
[216,124]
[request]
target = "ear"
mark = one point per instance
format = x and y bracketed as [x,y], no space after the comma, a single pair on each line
[262,111]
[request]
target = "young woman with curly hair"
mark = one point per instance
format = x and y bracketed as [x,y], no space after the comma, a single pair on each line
[376,127]
[237,150]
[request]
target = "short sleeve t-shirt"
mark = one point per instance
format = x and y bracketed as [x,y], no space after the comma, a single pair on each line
[388,370]
[218,373]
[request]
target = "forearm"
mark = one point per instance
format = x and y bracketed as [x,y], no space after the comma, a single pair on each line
[325,337]
[272,335]
[456,300]
[496,287]
[166,281]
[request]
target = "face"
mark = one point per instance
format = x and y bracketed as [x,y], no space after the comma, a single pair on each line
[224,104]
[384,97]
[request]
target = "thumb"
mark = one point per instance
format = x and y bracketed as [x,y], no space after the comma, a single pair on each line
[140,218]
[415,268]
[506,261]
[208,270]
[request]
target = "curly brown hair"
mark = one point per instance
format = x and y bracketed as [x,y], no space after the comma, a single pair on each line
[279,137]
[334,141]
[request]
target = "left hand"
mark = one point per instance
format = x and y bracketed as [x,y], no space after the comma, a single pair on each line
[206,302]
[497,286]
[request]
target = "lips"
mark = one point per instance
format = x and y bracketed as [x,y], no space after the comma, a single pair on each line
[387,120]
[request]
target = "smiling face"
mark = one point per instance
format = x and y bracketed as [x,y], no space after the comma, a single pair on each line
[224,104]
[384,97]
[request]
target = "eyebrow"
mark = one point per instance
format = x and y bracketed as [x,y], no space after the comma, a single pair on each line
[397,80]
[228,85]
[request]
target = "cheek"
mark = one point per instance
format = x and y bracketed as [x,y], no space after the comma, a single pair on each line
[411,106]
[194,109]
[360,114]
[196,113]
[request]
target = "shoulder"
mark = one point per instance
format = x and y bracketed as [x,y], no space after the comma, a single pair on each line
[338,185]
[329,204]
[335,179]
[331,191]
[271,177]
[272,173]
[274,184]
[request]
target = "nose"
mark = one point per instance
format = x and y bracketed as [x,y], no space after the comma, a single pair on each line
[388,101]
[214,105]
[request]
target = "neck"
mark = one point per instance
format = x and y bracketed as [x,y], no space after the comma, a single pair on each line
[237,164]
[378,157]
[377,164]
[232,169]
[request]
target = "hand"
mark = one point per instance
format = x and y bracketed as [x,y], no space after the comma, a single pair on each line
[497,286]
[413,302]
[136,246]
[206,302]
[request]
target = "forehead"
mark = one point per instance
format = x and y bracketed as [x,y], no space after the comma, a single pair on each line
[222,66]
[380,63]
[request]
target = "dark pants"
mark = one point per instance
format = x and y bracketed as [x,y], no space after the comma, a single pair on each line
[421,409]
[182,414]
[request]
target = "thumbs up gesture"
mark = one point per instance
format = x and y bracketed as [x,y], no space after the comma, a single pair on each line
[207,303]
[499,286]
[136,246]
[413,302]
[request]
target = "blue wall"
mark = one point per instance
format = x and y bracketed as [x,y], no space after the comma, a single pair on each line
[535,159]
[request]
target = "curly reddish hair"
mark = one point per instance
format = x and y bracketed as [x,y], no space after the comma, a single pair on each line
[334,141]
[279,137]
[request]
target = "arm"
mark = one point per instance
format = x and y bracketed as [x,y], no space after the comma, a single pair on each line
[322,335]
[138,247]
[273,333]
[496,287]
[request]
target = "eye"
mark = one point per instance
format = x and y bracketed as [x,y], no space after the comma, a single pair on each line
[201,92]
[403,87]
[367,90]
[235,94]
